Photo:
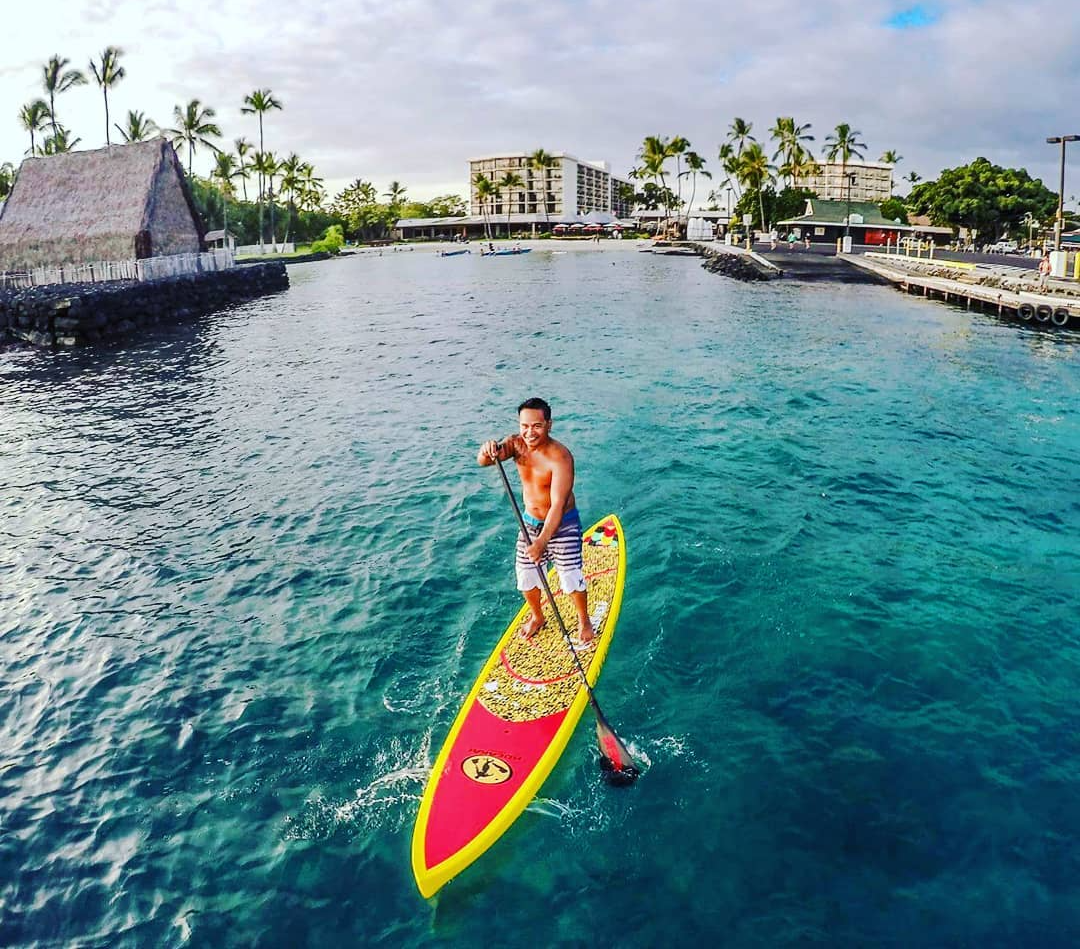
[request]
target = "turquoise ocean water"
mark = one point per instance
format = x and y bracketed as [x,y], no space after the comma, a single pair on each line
[250,569]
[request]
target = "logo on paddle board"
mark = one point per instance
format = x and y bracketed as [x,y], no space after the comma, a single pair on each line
[486,769]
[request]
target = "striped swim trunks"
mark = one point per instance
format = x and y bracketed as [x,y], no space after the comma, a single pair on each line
[564,549]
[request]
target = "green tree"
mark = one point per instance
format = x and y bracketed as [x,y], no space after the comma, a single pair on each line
[266,167]
[396,194]
[33,117]
[194,128]
[542,162]
[7,179]
[654,154]
[259,103]
[789,138]
[225,172]
[60,142]
[107,73]
[739,135]
[510,181]
[844,141]
[756,173]
[677,147]
[138,128]
[983,197]
[695,165]
[447,205]
[892,157]
[789,203]
[57,78]
[292,176]
[243,165]
[894,208]
[311,194]
[485,190]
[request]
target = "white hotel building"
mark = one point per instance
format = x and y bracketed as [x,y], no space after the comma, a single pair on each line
[571,192]
[865,181]
[571,187]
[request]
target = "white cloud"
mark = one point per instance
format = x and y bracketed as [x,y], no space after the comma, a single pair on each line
[411,89]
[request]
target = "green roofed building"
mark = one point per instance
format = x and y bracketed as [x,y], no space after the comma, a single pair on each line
[825,222]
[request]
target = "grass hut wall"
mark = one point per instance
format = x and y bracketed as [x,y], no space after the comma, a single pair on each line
[116,203]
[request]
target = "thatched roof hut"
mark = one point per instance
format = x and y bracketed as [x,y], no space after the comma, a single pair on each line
[115,203]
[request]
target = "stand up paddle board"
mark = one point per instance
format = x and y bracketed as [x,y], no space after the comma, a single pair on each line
[516,721]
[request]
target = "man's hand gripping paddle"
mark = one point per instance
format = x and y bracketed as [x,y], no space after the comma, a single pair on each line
[615,759]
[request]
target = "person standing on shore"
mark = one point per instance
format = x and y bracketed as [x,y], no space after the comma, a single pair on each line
[1044,272]
[546,468]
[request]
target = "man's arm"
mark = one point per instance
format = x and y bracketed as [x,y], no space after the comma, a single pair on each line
[490,450]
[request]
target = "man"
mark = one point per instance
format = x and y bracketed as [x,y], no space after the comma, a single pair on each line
[1045,269]
[546,468]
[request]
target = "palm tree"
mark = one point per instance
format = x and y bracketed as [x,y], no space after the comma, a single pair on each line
[655,151]
[194,128]
[396,194]
[138,129]
[485,188]
[739,134]
[755,172]
[57,79]
[541,161]
[510,181]
[311,188]
[243,167]
[59,143]
[259,103]
[914,177]
[7,179]
[225,171]
[678,146]
[291,172]
[893,158]
[695,165]
[789,138]
[844,141]
[266,167]
[107,74]
[800,165]
[33,117]
[729,161]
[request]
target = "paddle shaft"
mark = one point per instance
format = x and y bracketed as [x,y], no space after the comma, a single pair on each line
[547,589]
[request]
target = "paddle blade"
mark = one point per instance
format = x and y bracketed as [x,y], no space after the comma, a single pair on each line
[616,761]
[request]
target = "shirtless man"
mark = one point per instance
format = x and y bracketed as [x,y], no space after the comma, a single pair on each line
[546,468]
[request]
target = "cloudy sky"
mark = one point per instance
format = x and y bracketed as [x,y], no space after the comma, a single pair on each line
[410,89]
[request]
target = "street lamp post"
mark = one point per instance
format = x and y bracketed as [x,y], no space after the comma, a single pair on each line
[847,217]
[1060,220]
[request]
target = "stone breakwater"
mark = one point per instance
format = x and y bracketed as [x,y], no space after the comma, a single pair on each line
[84,314]
[735,265]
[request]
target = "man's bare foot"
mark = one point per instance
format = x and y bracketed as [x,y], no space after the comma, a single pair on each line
[586,634]
[532,626]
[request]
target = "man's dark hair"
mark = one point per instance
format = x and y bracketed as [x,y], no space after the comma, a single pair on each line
[536,404]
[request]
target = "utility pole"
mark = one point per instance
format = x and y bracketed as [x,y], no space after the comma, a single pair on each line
[1059,221]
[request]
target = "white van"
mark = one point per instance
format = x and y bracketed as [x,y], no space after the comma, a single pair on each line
[1003,247]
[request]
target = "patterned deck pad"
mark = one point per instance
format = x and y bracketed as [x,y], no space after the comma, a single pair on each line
[537,677]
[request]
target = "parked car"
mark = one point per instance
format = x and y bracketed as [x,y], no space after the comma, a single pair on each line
[1003,247]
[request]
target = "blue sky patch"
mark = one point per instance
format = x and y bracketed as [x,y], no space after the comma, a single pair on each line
[913,17]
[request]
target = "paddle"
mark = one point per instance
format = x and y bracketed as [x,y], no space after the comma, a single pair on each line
[615,760]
